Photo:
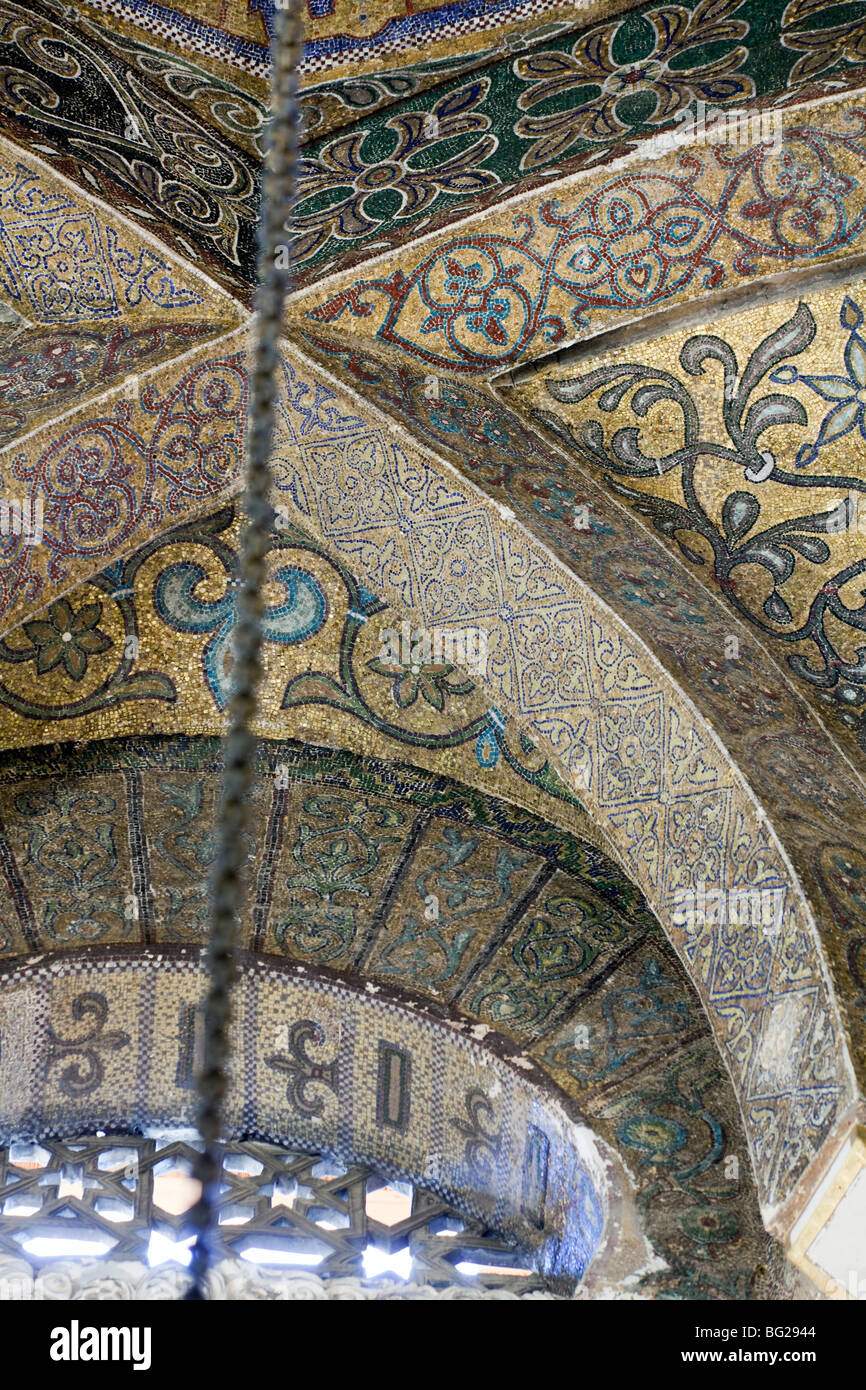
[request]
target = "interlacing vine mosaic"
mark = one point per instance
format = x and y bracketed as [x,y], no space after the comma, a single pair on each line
[558,106]
[483,299]
[738,535]
[84,653]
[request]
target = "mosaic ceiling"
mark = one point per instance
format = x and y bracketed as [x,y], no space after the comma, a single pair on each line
[562,368]
[534,935]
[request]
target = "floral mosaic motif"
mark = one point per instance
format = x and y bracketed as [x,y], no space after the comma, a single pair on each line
[782,549]
[635,576]
[434,681]
[68,638]
[119,671]
[147,145]
[67,835]
[746,699]
[84,1070]
[323,932]
[630,751]
[190,141]
[492,442]
[364,601]
[481,300]
[648,90]
[353,845]
[569,940]
[181,855]
[342,849]
[823,46]
[673,1131]
[696,829]
[83,864]
[340,845]
[848,393]
[106,664]
[646,1007]
[339,189]
[559,940]
[306,1075]
[655,1140]
[433,944]
[310,406]
[574,93]
[333,104]
[218,102]
[491,734]
[482,1134]
[92,506]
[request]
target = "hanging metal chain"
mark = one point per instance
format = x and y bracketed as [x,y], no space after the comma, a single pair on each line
[278,184]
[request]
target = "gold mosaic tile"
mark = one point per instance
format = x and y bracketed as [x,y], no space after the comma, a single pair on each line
[68,260]
[597,249]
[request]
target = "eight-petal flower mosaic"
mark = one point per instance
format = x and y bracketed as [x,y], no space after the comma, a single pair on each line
[614,94]
[352,188]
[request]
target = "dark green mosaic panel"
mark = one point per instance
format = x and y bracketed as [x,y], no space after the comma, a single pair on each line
[572,101]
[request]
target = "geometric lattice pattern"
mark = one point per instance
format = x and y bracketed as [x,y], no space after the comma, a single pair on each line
[276,1207]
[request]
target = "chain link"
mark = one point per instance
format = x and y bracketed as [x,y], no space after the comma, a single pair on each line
[278,187]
